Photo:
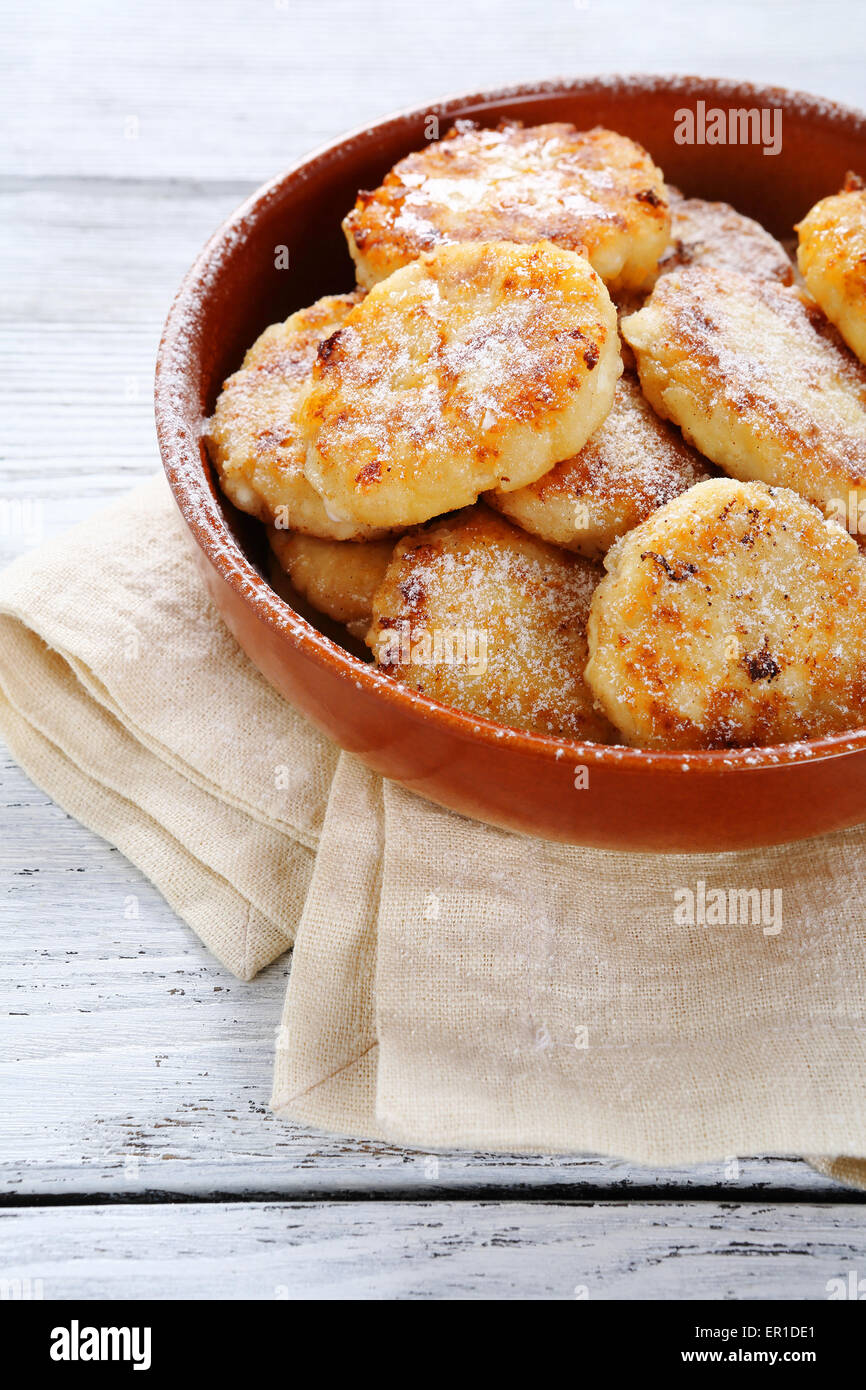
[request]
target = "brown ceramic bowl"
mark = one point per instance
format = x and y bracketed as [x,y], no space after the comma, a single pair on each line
[634,800]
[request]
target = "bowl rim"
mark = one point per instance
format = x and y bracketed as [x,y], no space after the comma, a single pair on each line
[182,455]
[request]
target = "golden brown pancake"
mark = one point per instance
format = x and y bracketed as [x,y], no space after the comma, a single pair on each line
[479,365]
[832,258]
[633,463]
[478,615]
[757,380]
[253,438]
[592,191]
[337,578]
[734,615]
[715,234]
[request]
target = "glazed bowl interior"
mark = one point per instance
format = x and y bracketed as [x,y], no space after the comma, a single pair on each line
[238,286]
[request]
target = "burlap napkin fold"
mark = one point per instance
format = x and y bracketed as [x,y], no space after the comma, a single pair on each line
[452,985]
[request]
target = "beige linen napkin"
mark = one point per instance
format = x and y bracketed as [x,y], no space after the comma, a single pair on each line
[452,985]
[475,989]
[125,697]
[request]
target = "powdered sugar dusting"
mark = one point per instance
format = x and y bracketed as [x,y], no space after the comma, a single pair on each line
[180,416]
[526,605]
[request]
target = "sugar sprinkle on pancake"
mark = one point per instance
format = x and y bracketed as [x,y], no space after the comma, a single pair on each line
[735,615]
[253,438]
[592,191]
[478,615]
[478,365]
[715,234]
[758,380]
[632,464]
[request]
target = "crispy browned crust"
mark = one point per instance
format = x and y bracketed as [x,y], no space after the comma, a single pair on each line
[633,463]
[832,257]
[757,379]
[474,366]
[734,616]
[254,439]
[594,192]
[478,575]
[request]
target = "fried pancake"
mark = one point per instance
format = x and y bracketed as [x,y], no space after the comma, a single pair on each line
[478,365]
[253,438]
[712,234]
[735,615]
[632,464]
[480,616]
[337,578]
[757,380]
[715,234]
[832,258]
[590,191]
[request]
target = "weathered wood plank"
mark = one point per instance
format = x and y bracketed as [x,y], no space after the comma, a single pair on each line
[436,1250]
[89,271]
[94,252]
[240,90]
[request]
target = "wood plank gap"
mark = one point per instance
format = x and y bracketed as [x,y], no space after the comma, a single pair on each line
[580,1195]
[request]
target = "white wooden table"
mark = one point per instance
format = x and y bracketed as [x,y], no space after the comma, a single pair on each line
[137,1153]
